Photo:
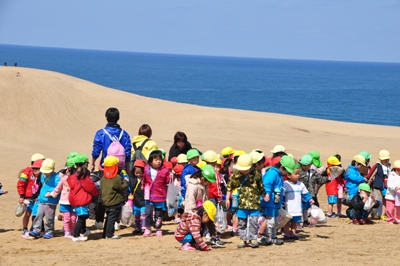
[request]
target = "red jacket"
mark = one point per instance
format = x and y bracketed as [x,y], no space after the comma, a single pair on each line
[81,191]
[158,188]
[26,185]
[214,189]
[332,188]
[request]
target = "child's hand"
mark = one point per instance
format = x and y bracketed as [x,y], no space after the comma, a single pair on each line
[266,198]
[312,202]
[48,194]
[227,203]
[206,248]
[21,200]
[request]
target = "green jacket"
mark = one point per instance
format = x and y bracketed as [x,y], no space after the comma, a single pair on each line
[112,190]
[252,189]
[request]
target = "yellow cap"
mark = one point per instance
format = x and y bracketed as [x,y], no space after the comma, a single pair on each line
[359,159]
[278,148]
[219,161]
[257,156]
[211,210]
[396,164]
[384,155]
[201,164]
[47,166]
[333,161]
[37,156]
[244,162]
[182,158]
[111,161]
[227,151]
[238,153]
[210,156]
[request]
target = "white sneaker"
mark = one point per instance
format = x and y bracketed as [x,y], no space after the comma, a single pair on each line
[208,236]
[79,239]
[86,234]
[116,226]
[98,225]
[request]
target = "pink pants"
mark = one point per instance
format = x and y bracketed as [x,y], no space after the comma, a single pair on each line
[390,210]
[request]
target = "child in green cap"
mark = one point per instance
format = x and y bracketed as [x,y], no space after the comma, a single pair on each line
[361,205]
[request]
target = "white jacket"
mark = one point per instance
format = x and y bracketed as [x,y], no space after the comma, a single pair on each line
[393,182]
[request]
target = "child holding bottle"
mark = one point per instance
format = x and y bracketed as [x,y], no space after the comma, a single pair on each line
[135,184]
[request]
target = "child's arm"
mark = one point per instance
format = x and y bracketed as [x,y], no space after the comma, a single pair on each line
[56,191]
[21,186]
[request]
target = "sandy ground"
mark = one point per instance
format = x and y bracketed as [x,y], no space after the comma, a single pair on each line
[55,114]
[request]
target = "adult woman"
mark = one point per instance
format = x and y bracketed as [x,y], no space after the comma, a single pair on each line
[181,145]
[144,136]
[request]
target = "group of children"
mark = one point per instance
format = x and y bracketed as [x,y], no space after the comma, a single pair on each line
[247,186]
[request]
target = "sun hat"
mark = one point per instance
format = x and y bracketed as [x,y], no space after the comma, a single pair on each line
[316,161]
[384,155]
[81,158]
[110,166]
[192,153]
[178,169]
[306,159]
[37,156]
[210,156]
[278,148]
[168,165]
[161,152]
[227,151]
[70,162]
[139,163]
[211,210]
[201,164]
[182,158]
[257,156]
[364,186]
[396,164]
[333,161]
[72,155]
[47,166]
[359,159]
[244,162]
[288,163]
[208,173]
[366,155]
[37,164]
[174,160]
[238,153]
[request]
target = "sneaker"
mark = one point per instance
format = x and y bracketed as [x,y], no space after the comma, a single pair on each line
[332,215]
[341,215]
[87,233]
[216,241]
[177,220]
[68,235]
[48,235]
[25,233]
[136,231]
[299,226]
[147,232]
[355,221]
[254,243]
[187,247]
[116,226]
[368,221]
[34,234]
[294,237]
[158,233]
[286,236]
[98,225]
[277,241]
[114,237]
[361,221]
[262,240]
[242,244]
[235,233]
[306,224]
[207,236]
[79,239]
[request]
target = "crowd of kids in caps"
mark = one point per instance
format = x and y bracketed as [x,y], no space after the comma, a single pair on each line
[250,188]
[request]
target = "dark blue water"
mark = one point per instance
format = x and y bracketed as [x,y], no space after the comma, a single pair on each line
[346,91]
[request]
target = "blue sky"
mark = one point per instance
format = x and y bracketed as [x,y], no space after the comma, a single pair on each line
[352,30]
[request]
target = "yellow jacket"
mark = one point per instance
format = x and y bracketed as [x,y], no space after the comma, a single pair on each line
[148,147]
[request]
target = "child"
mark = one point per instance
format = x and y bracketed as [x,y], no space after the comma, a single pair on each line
[28,187]
[393,195]
[113,188]
[295,191]
[248,182]
[178,174]
[258,160]
[47,205]
[155,180]
[139,210]
[69,215]
[182,159]
[353,177]
[311,179]
[367,156]
[227,152]
[193,158]
[335,174]
[377,177]
[357,209]
[82,190]
[188,232]
[273,185]
[214,189]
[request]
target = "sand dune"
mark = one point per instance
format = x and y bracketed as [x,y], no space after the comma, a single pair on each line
[54,114]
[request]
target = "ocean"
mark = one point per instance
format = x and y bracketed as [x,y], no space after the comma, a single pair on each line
[360,92]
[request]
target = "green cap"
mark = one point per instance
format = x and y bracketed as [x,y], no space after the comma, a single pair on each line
[297,166]
[161,152]
[208,173]
[306,159]
[81,158]
[288,162]
[192,153]
[72,155]
[366,155]
[365,187]
[70,162]
[316,161]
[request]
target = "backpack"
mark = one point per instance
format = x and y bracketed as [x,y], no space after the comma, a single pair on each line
[138,154]
[116,149]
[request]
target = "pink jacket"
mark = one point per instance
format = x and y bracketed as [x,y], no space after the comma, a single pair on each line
[62,188]
[158,188]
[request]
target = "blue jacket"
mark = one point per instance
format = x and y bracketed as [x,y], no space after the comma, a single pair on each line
[48,185]
[353,179]
[187,170]
[101,142]
[273,182]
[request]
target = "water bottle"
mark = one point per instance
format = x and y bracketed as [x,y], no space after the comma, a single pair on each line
[340,192]
[235,200]
[130,201]
[397,198]
[147,192]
